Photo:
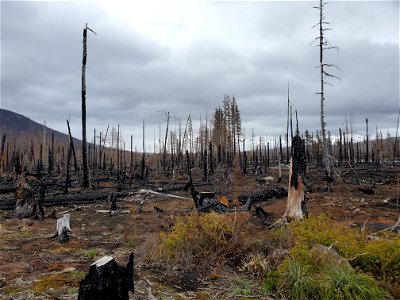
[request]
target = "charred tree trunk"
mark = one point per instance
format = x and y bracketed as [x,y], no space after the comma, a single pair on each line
[244,162]
[366,142]
[51,155]
[94,158]
[280,160]
[210,159]
[287,128]
[219,154]
[297,189]
[41,158]
[131,154]
[3,142]
[85,182]
[143,156]
[164,159]
[67,177]
[396,139]
[71,141]
[324,45]
[340,148]
[189,170]
[205,172]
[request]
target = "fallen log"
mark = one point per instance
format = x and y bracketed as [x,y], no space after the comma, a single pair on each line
[141,196]
[150,192]
[264,195]
[368,191]
[181,186]
[70,199]
[391,202]
[7,190]
[378,226]
[7,204]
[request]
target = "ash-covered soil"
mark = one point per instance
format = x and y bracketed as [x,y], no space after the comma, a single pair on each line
[35,266]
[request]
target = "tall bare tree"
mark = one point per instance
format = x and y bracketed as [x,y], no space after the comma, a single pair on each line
[85,183]
[287,126]
[164,158]
[323,45]
[396,138]
[366,141]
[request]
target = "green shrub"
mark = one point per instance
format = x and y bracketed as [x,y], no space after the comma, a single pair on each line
[378,257]
[200,241]
[269,283]
[381,258]
[296,280]
[346,284]
[91,253]
[325,231]
[280,237]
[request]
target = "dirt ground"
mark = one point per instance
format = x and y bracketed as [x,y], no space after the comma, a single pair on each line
[34,266]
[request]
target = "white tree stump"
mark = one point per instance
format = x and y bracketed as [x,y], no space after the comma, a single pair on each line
[63,228]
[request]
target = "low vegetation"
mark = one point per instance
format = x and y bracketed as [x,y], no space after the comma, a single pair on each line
[201,241]
[318,258]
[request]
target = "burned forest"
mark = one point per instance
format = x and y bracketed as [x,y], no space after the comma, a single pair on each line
[211,209]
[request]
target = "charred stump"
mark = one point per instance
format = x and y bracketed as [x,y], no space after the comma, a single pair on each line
[24,199]
[107,281]
[297,187]
[113,199]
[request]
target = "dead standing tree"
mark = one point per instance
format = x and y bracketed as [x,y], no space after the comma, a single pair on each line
[85,183]
[324,45]
[164,157]
[297,182]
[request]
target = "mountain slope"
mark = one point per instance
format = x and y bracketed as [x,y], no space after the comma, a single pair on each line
[14,124]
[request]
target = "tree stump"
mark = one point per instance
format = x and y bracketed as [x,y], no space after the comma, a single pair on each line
[297,188]
[63,228]
[107,281]
[25,201]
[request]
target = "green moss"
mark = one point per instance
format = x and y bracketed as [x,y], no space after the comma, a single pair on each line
[325,231]
[55,281]
[91,253]
[381,258]
[12,290]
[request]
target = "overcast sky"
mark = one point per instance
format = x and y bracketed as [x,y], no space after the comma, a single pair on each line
[182,57]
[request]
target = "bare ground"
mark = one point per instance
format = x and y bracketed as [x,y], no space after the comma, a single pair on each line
[34,266]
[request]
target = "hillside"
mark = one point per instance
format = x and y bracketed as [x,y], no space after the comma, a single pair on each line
[19,125]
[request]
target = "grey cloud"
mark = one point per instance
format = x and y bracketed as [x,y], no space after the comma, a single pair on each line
[255,49]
